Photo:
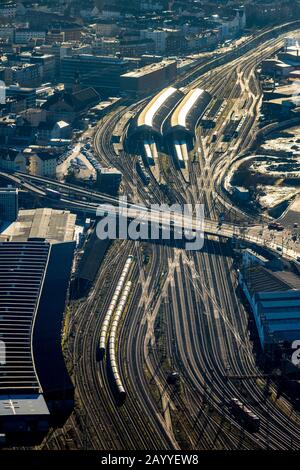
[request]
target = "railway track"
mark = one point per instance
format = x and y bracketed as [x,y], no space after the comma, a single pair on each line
[206,326]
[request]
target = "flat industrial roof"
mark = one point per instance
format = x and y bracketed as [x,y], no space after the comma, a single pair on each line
[262,280]
[148,69]
[50,224]
[23,405]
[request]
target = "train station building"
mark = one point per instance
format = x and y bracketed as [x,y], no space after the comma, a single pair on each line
[148,126]
[185,118]
[170,117]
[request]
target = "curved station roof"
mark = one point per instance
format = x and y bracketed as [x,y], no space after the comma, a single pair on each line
[189,111]
[153,116]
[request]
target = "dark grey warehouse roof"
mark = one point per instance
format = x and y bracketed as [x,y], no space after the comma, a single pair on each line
[262,281]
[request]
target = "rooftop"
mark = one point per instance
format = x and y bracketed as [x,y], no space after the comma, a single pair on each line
[52,225]
[262,280]
[148,69]
[79,100]
[23,405]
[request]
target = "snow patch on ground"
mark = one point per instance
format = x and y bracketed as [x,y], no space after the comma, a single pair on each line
[271,196]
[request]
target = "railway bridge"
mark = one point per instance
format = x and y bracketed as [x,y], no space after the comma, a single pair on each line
[100,205]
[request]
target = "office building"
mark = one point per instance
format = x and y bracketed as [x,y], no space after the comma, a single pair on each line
[29,94]
[34,279]
[149,78]
[8,204]
[35,266]
[101,73]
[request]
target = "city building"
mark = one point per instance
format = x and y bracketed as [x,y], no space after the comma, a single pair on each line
[26,75]
[53,225]
[29,94]
[55,36]
[60,50]
[12,160]
[64,32]
[111,12]
[34,116]
[136,47]
[106,28]
[290,56]
[7,33]
[106,46]
[6,75]
[242,194]
[35,387]
[251,257]
[61,130]
[41,162]
[149,78]
[232,26]
[158,36]
[46,63]
[109,180]
[25,35]
[14,131]
[275,68]
[8,9]
[67,106]
[34,159]
[47,130]
[8,204]
[101,73]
